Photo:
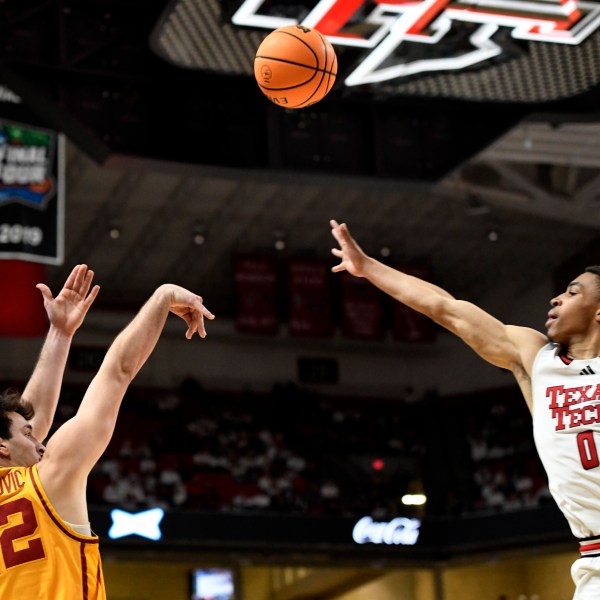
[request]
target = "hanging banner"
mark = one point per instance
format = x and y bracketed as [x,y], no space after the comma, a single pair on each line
[31,193]
[256,290]
[361,308]
[22,312]
[309,298]
[408,325]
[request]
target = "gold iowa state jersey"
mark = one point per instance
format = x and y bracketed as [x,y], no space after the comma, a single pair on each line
[42,558]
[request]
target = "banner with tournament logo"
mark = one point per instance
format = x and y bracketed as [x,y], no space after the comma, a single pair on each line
[31,193]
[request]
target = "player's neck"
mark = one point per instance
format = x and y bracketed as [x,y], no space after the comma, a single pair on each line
[583,350]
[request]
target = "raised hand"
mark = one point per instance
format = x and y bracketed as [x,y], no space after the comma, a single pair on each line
[352,258]
[190,307]
[67,311]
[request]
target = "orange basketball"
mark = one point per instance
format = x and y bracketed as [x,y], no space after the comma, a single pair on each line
[295,66]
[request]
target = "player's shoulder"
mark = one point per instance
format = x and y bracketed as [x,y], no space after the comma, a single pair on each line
[527,337]
[528,342]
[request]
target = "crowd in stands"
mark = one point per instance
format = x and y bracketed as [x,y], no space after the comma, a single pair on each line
[505,471]
[293,451]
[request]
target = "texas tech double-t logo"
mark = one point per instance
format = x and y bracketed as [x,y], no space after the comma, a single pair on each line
[457,34]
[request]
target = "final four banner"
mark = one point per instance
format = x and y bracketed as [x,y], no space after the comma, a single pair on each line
[31,193]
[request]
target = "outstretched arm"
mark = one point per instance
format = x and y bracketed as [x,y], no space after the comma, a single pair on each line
[502,345]
[66,313]
[78,444]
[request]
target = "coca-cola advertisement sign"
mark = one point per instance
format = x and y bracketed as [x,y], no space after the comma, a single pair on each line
[399,531]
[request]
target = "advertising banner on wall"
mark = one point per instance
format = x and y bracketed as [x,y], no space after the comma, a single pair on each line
[31,193]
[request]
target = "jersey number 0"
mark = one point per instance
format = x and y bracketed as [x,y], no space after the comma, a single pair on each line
[588,453]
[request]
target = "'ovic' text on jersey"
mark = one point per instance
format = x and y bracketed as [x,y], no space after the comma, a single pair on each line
[11,482]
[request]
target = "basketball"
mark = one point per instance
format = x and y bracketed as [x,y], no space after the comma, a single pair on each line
[295,66]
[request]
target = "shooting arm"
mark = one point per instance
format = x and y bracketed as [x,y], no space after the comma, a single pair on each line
[79,443]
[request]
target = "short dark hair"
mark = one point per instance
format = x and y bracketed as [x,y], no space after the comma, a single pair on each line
[595,269]
[11,401]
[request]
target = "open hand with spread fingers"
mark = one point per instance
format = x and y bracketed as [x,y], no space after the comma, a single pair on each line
[67,311]
[352,258]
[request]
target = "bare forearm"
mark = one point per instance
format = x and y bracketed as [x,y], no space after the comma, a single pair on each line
[135,343]
[43,387]
[97,414]
[412,291]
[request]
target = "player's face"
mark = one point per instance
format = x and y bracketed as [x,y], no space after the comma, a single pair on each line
[576,311]
[22,449]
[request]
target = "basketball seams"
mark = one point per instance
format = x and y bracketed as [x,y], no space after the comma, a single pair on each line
[301,93]
[304,44]
[307,101]
[314,72]
[314,91]
[299,85]
[326,52]
[323,72]
[297,64]
[330,73]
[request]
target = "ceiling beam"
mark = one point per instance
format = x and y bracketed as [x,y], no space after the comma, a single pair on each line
[525,197]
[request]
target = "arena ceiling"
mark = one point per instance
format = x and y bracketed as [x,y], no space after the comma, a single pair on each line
[542,212]
[193,166]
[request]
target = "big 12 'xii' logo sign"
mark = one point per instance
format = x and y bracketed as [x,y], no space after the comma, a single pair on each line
[383,27]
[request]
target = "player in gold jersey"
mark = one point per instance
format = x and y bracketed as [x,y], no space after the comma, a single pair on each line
[66,313]
[47,548]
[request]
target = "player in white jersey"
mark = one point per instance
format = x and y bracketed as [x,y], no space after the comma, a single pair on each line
[558,373]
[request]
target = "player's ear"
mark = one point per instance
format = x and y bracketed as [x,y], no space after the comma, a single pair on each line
[4,451]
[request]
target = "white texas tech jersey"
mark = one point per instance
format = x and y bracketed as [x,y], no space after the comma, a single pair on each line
[566,428]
